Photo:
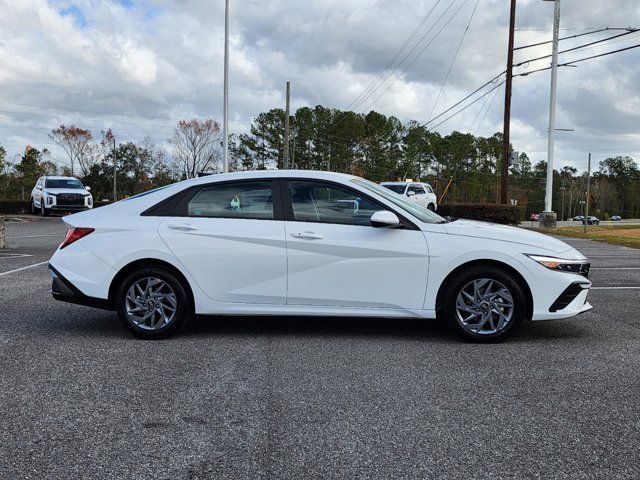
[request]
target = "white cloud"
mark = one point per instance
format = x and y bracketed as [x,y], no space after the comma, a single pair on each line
[159,60]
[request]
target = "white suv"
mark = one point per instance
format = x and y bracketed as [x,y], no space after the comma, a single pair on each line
[60,194]
[417,191]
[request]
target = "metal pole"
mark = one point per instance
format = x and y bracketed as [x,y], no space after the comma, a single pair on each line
[225,120]
[286,128]
[552,107]
[115,184]
[586,205]
[504,184]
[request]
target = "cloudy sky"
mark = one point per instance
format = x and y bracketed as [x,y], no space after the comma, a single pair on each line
[138,66]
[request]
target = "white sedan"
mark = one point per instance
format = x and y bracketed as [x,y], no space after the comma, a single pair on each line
[309,243]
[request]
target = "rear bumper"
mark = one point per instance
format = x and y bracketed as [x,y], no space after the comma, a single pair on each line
[63,290]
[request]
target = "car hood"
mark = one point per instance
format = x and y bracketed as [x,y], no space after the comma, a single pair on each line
[504,233]
[66,190]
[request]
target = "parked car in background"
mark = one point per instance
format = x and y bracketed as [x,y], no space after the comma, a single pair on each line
[60,194]
[417,191]
[591,220]
[578,218]
[307,243]
[616,218]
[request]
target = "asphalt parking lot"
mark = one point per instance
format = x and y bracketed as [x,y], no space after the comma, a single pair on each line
[314,398]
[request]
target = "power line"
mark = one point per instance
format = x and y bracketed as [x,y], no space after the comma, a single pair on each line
[493,80]
[576,48]
[419,53]
[466,106]
[395,69]
[397,54]
[79,110]
[522,47]
[579,60]
[453,60]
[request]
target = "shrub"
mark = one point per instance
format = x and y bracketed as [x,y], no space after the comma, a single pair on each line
[15,206]
[484,212]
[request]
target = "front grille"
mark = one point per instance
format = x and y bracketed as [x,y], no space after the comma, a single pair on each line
[70,199]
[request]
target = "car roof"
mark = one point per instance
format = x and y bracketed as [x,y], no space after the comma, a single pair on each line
[57,177]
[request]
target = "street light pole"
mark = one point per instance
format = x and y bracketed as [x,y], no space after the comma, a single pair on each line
[225,120]
[550,219]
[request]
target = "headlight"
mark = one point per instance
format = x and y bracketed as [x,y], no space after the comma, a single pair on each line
[581,266]
[50,200]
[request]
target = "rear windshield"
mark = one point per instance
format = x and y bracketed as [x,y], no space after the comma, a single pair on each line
[63,183]
[394,187]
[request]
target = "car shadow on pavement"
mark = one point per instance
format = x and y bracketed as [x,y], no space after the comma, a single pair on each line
[104,324]
[318,326]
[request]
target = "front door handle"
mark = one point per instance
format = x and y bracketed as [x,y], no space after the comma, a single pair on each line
[307,235]
[181,228]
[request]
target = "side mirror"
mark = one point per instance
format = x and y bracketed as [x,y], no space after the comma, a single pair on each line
[88,189]
[385,218]
[410,193]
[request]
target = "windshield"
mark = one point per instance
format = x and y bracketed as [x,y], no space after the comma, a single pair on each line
[395,187]
[422,213]
[64,183]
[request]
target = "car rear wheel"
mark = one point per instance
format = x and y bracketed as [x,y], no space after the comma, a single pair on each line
[484,304]
[152,303]
[34,211]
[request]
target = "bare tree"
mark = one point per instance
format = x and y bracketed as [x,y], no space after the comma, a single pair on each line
[196,145]
[77,144]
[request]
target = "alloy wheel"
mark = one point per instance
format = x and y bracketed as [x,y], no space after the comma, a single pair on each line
[151,303]
[484,306]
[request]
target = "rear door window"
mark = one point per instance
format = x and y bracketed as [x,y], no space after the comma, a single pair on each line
[249,200]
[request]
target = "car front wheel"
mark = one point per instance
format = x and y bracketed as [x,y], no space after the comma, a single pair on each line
[484,304]
[152,303]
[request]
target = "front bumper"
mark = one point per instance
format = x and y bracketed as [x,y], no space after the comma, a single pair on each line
[571,302]
[63,290]
[68,208]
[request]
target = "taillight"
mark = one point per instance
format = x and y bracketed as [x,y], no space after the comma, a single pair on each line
[74,234]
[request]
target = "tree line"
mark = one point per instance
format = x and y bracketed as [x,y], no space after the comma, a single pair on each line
[462,167]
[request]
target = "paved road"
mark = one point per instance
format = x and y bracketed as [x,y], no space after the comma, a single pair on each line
[314,398]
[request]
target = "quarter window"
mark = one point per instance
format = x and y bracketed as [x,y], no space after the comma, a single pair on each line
[234,200]
[327,203]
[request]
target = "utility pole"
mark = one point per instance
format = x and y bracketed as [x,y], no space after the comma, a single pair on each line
[504,183]
[286,127]
[115,171]
[550,218]
[225,120]
[586,205]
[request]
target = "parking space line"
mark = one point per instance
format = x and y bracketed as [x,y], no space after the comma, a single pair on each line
[615,288]
[35,236]
[14,255]
[23,268]
[614,268]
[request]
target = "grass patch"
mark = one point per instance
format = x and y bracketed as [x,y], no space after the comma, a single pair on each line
[625,235]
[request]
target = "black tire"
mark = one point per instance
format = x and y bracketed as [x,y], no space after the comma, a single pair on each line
[43,211]
[33,207]
[431,207]
[184,309]
[454,287]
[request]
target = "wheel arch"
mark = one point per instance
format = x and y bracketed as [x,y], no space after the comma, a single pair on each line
[494,263]
[144,263]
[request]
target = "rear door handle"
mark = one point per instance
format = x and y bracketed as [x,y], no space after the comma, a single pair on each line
[307,235]
[181,228]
